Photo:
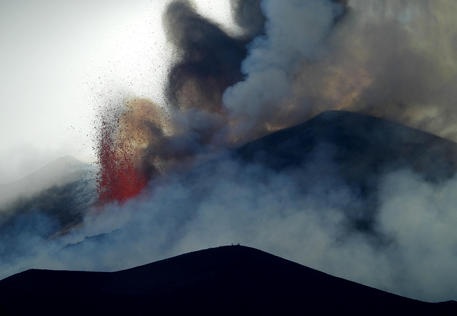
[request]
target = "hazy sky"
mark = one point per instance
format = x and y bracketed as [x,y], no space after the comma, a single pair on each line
[60,60]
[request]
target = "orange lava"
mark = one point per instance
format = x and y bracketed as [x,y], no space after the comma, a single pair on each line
[119,177]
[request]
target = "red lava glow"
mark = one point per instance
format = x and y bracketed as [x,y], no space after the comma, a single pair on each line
[119,177]
[130,143]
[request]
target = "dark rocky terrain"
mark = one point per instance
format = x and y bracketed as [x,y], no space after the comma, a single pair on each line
[363,146]
[225,280]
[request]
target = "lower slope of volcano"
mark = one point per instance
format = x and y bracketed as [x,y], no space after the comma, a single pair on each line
[230,279]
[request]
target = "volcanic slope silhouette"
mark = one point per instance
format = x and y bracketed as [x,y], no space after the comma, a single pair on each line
[363,146]
[225,280]
[339,148]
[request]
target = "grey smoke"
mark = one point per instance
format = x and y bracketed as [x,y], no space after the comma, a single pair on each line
[295,33]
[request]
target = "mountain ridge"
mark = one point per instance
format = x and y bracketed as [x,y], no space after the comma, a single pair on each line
[219,280]
[353,131]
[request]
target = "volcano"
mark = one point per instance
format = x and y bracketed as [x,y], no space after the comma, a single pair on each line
[363,149]
[202,149]
[356,149]
[225,280]
[359,150]
[363,146]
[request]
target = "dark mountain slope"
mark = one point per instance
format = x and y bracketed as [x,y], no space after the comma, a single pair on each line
[361,150]
[224,280]
[363,146]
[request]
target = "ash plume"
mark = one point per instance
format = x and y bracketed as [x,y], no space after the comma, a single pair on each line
[209,61]
[142,140]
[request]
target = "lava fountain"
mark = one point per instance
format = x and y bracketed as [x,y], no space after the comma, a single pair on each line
[124,137]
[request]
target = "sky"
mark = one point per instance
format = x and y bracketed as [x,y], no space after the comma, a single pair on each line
[61,61]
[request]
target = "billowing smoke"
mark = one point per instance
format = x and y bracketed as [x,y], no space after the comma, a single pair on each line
[296,35]
[292,60]
[391,59]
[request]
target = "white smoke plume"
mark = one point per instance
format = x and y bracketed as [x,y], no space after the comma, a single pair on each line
[393,59]
[295,32]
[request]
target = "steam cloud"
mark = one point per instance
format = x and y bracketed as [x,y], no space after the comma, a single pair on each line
[393,59]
